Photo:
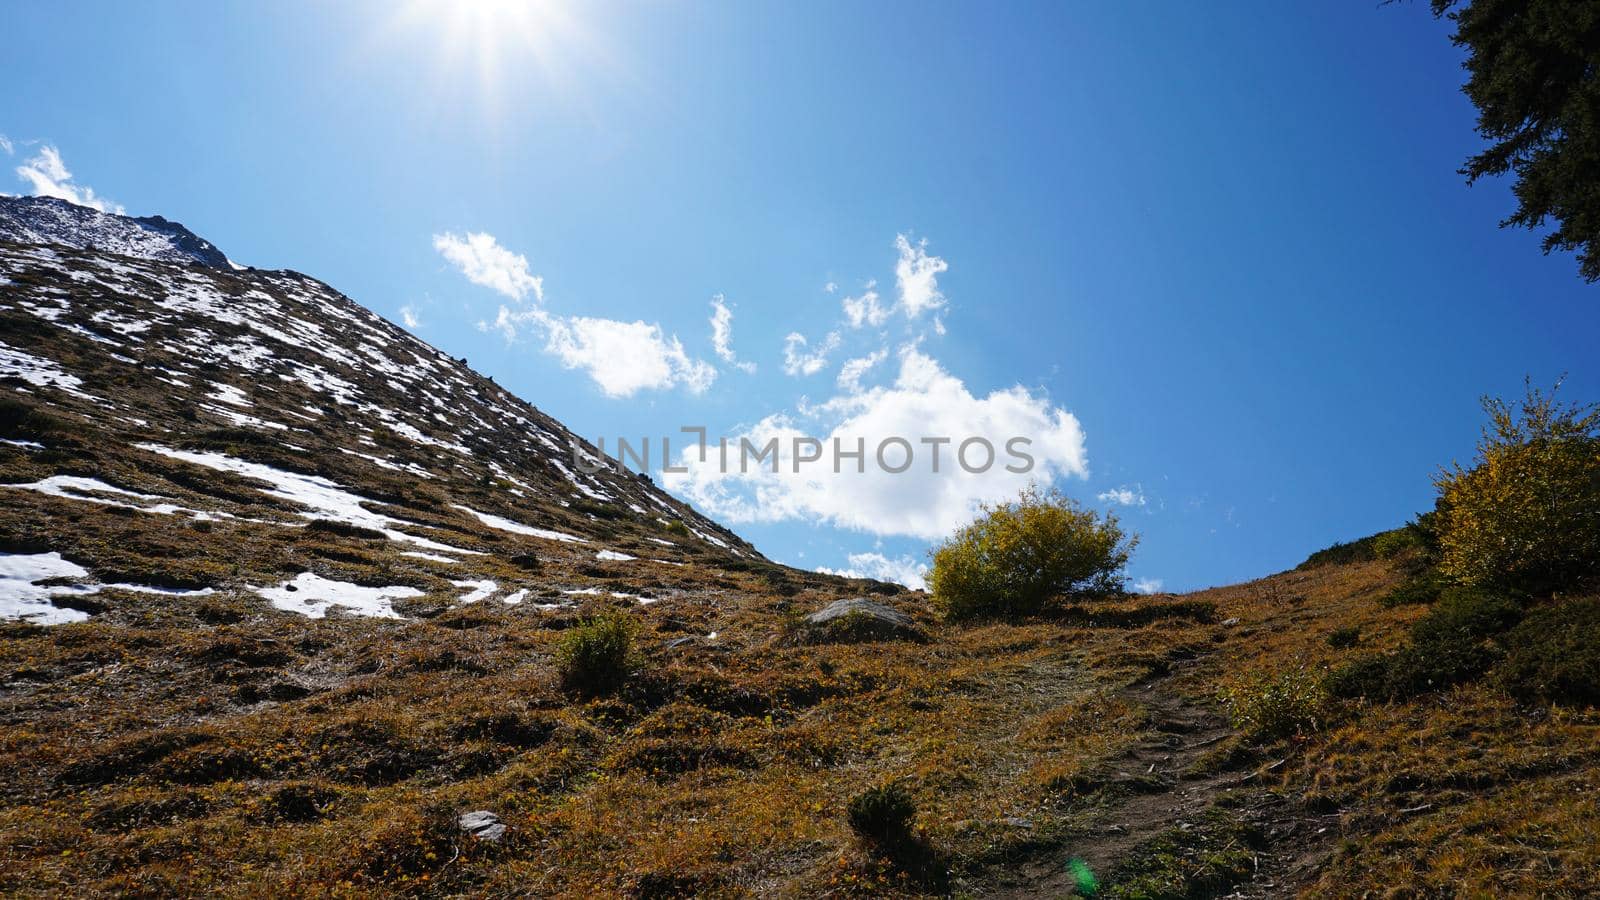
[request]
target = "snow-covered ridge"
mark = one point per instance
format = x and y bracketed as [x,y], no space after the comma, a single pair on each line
[123,320]
[46,220]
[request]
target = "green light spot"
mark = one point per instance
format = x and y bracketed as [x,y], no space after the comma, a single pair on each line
[1085,880]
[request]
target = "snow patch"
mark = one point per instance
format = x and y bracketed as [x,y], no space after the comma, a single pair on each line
[478,590]
[38,371]
[312,596]
[496,522]
[23,597]
[321,498]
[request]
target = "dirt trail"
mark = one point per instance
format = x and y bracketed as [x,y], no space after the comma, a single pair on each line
[1154,788]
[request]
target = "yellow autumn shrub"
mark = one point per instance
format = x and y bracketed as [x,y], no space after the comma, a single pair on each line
[1019,554]
[1527,513]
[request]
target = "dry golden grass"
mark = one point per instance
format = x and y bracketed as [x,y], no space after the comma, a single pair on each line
[215,746]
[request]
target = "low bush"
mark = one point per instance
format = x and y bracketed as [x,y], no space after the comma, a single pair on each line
[883,816]
[1418,590]
[595,657]
[1391,544]
[1018,555]
[1554,655]
[1292,702]
[1344,638]
[1342,553]
[1464,618]
[1457,641]
[1363,677]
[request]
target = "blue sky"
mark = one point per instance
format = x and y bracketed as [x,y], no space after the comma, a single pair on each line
[1227,240]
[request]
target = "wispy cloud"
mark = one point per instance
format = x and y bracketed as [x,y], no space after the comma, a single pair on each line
[900,570]
[1124,496]
[864,309]
[799,360]
[1147,585]
[722,335]
[408,315]
[47,176]
[851,372]
[6,145]
[483,261]
[916,275]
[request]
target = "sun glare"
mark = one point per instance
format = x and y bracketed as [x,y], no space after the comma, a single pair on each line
[493,42]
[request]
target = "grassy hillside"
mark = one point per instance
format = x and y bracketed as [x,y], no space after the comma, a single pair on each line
[217,747]
[285,592]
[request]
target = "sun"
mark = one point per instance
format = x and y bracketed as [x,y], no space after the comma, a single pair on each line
[492,42]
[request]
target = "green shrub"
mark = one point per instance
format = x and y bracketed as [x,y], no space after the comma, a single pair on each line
[1456,642]
[1391,544]
[1365,676]
[676,527]
[1554,655]
[1344,638]
[1525,514]
[594,658]
[882,816]
[1018,555]
[1342,553]
[1418,590]
[1293,702]
[1464,617]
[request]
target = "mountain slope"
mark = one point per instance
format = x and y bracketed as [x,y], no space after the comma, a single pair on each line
[284,592]
[46,220]
[166,381]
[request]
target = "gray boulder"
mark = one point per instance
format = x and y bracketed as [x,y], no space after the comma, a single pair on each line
[859,619]
[483,825]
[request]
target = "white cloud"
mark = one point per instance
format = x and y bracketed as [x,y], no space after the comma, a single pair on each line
[797,360]
[47,176]
[924,402]
[916,274]
[830,287]
[865,309]
[624,358]
[1147,585]
[1124,496]
[722,335]
[851,372]
[484,262]
[408,315]
[901,570]
[6,145]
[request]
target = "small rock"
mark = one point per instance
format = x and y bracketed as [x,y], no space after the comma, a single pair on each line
[483,825]
[1229,623]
